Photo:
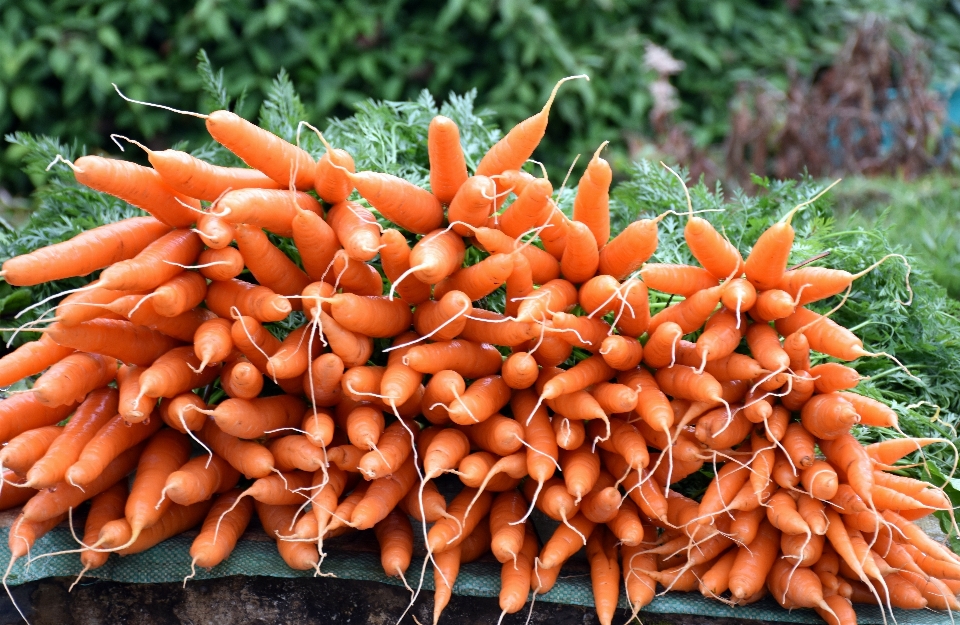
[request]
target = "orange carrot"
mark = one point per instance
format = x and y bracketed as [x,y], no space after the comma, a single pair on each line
[352,348]
[268,264]
[199,479]
[754,561]
[515,576]
[405,204]
[591,205]
[25,449]
[173,373]
[23,412]
[69,381]
[221,529]
[630,249]
[330,180]
[479,280]
[691,313]
[871,411]
[580,256]
[683,280]
[448,169]
[828,416]
[383,494]
[395,535]
[316,241]
[251,459]
[252,418]
[395,257]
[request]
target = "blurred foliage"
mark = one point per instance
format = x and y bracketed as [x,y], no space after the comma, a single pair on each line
[58,58]
[921,214]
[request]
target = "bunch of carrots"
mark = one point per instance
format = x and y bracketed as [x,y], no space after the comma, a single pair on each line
[319,442]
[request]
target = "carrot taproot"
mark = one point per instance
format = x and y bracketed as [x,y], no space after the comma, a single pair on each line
[322,380]
[215,232]
[405,204]
[52,502]
[296,452]
[685,382]
[105,507]
[356,229]
[110,442]
[199,479]
[240,379]
[628,250]
[554,296]
[252,418]
[498,434]
[691,313]
[570,433]
[515,576]
[364,426]
[316,241]
[448,168]
[71,379]
[543,266]
[13,497]
[271,209]
[31,358]
[470,359]
[86,252]
[653,407]
[393,449]
[578,331]
[383,495]
[258,302]
[445,318]
[25,449]
[581,258]
[824,334]
[249,458]
[660,350]
[890,451]
[395,535]
[174,373]
[520,370]
[591,204]
[620,352]
[479,280]
[813,512]
[507,533]
[352,348]
[754,561]
[221,529]
[683,280]
[585,373]
[871,411]
[269,265]
[395,258]
[602,503]
[530,210]
[720,337]
[640,588]
[277,520]
[330,180]
[799,445]
[565,541]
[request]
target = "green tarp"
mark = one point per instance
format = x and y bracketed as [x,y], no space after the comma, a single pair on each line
[170,562]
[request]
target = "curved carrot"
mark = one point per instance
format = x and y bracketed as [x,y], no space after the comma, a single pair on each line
[268,264]
[405,204]
[316,241]
[356,229]
[448,169]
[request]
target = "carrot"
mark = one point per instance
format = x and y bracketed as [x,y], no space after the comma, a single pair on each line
[292,358]
[316,241]
[552,352]
[598,295]
[627,251]
[174,373]
[591,205]
[192,177]
[274,210]
[221,529]
[55,501]
[712,250]
[754,561]
[394,447]
[802,388]
[471,360]
[479,280]
[614,398]
[254,341]
[570,434]
[498,434]
[824,334]
[626,441]
[199,479]
[434,505]
[582,332]
[356,229]
[472,204]
[140,311]
[250,300]
[269,265]
[585,373]
[507,533]
[602,505]
[716,580]
[240,379]
[364,426]
[395,258]
[111,440]
[31,358]
[445,319]
[448,169]
[252,418]
[446,568]
[405,204]
[277,521]
[251,459]
[580,256]
[352,348]
[87,304]
[519,284]
[846,454]
[105,507]
[520,370]
[71,379]
[828,416]
[720,336]
[515,576]
[383,494]
[620,352]
[565,541]
[154,264]
[13,497]
[722,489]
[686,383]
[215,232]
[395,535]
[767,261]
[399,382]
[652,405]
[543,266]
[179,294]
[554,296]
[691,313]
[518,145]
[738,295]
[375,316]
[330,180]
[322,381]
[799,445]
[745,524]
[543,452]
[25,449]
[890,451]
[832,376]
[683,280]
[813,513]
[937,595]
[871,411]
[88,251]
[661,348]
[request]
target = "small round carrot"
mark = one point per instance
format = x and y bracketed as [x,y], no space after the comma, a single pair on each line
[738,295]
[215,232]
[773,304]
[820,480]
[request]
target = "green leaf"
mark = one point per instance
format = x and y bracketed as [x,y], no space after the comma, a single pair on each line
[23,100]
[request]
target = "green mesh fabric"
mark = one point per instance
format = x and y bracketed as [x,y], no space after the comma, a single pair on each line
[257,555]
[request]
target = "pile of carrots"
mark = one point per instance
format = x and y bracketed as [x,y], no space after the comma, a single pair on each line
[320,442]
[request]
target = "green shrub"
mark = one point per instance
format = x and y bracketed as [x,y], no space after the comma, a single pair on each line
[60,56]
